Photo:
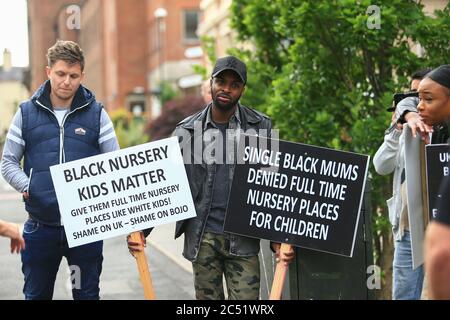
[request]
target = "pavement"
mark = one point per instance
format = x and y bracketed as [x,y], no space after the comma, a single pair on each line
[171,273]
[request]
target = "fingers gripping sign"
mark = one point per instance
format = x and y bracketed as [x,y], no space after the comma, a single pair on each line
[136,246]
[418,126]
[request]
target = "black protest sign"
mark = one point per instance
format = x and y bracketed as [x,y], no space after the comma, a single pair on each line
[299,194]
[437,156]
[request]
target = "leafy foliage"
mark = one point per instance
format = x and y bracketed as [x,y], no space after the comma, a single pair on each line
[129,129]
[208,45]
[326,78]
[167,92]
[173,112]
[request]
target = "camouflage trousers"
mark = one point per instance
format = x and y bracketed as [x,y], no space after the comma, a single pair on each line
[213,261]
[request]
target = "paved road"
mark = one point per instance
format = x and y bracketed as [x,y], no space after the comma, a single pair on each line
[171,273]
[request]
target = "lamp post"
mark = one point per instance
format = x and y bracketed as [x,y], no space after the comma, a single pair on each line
[160,15]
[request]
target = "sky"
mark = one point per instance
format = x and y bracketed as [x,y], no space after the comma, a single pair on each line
[14,31]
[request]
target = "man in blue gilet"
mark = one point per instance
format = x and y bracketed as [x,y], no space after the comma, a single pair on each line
[61,122]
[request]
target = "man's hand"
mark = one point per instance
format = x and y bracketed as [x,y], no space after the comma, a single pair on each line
[285,257]
[17,245]
[12,231]
[25,195]
[134,247]
[418,126]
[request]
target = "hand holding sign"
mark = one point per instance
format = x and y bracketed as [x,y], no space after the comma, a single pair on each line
[285,256]
[285,250]
[123,192]
[136,246]
[142,264]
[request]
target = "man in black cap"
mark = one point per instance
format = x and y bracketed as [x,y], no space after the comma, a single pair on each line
[434,109]
[208,142]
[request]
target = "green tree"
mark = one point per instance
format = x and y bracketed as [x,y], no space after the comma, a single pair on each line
[325,71]
[129,129]
[167,92]
[209,47]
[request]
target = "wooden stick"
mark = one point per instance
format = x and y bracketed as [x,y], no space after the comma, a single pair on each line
[280,275]
[144,272]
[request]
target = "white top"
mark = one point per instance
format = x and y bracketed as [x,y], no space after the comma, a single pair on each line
[60,113]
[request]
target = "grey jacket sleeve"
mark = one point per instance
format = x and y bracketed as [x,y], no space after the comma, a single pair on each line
[107,138]
[408,104]
[15,146]
[385,158]
[13,153]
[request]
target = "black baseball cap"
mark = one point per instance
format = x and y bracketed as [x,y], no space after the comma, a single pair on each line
[230,63]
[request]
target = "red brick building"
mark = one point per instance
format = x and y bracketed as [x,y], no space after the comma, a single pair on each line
[172,26]
[113,36]
[42,21]
[128,50]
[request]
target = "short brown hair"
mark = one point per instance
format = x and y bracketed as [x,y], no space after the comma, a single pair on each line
[67,51]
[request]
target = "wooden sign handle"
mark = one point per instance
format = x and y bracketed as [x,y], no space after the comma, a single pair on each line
[280,274]
[142,265]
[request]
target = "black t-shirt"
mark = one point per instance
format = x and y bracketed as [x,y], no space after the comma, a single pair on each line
[221,188]
[443,203]
[440,134]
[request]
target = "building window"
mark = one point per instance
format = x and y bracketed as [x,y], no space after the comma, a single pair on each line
[190,24]
[136,104]
[137,108]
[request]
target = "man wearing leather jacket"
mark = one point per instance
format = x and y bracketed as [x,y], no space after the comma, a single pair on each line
[208,140]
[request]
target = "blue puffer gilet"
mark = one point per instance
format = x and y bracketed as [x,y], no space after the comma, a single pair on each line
[43,148]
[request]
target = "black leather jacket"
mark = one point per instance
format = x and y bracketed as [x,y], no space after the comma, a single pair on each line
[201,180]
[441,133]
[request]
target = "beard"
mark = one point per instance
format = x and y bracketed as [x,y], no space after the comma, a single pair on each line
[224,106]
